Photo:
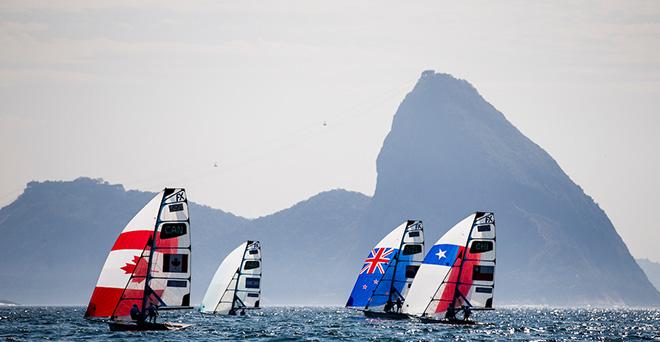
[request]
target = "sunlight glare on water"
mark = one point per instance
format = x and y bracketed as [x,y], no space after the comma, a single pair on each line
[311,323]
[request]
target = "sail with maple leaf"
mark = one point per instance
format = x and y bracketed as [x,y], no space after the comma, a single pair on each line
[457,274]
[388,271]
[236,285]
[149,264]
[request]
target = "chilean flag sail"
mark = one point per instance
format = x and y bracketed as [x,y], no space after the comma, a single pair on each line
[389,269]
[458,271]
[149,264]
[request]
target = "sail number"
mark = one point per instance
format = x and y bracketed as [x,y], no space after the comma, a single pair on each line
[171,230]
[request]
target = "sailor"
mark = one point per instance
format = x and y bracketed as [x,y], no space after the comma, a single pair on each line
[232,312]
[451,313]
[153,313]
[399,304]
[388,306]
[136,315]
[243,312]
[466,312]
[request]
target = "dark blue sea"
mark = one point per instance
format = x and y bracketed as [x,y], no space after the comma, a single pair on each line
[315,324]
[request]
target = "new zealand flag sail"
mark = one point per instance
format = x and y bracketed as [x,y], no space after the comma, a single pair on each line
[391,264]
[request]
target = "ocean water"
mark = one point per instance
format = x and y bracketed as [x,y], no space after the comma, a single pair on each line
[314,324]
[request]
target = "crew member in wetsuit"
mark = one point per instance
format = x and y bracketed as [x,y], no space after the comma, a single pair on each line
[153,313]
[466,312]
[136,315]
[451,313]
[388,306]
[399,304]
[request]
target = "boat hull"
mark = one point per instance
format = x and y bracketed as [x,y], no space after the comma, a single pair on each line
[146,326]
[448,321]
[385,315]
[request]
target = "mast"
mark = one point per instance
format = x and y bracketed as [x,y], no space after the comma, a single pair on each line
[398,254]
[166,192]
[457,293]
[238,276]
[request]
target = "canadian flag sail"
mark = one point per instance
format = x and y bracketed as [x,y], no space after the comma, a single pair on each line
[236,283]
[149,264]
[458,272]
[389,269]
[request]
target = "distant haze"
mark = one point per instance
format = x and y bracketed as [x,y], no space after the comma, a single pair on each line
[150,94]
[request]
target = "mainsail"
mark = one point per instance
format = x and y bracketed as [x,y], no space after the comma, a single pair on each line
[149,263]
[389,269]
[236,283]
[458,272]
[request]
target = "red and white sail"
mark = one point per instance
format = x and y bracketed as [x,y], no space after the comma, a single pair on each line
[457,272]
[149,264]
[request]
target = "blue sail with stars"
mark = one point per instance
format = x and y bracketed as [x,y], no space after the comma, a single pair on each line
[373,272]
[389,269]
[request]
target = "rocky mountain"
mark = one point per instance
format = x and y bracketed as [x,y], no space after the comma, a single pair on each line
[450,153]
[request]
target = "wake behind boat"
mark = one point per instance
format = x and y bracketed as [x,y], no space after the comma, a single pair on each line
[148,268]
[388,271]
[457,275]
[236,285]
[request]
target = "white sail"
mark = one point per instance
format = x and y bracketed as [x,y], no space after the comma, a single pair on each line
[236,284]
[457,272]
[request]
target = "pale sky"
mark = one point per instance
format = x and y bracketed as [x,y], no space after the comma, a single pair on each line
[150,93]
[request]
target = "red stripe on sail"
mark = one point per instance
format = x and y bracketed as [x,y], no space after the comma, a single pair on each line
[103,302]
[136,239]
[106,299]
[447,295]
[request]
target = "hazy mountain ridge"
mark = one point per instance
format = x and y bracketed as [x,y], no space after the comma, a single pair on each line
[449,153]
[74,224]
[652,270]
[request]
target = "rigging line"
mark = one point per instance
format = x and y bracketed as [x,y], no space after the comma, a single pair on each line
[347,111]
[307,134]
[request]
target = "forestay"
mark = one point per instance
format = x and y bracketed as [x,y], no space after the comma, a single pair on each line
[389,269]
[457,272]
[149,264]
[236,284]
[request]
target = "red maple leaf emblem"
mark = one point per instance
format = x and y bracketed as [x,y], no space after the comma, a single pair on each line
[137,267]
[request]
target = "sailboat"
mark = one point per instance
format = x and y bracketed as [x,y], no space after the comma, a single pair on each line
[388,271]
[457,275]
[149,265]
[236,285]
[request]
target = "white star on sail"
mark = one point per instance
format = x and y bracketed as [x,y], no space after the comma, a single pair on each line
[441,254]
